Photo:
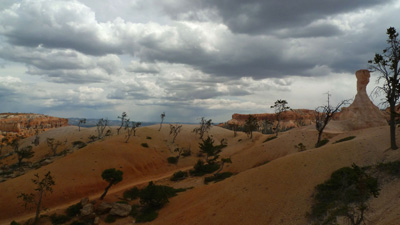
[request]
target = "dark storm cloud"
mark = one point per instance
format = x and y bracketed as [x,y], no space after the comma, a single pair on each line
[256,17]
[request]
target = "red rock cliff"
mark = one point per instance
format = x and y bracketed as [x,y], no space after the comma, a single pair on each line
[25,124]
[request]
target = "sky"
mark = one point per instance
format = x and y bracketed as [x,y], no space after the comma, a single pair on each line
[189,59]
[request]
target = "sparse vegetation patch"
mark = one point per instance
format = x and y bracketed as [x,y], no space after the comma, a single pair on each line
[345,139]
[270,139]
[217,177]
[322,143]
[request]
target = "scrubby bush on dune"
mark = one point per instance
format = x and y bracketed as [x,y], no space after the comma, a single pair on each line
[200,168]
[132,193]
[345,194]
[392,168]
[74,210]
[217,177]
[172,160]
[79,144]
[180,175]
[59,219]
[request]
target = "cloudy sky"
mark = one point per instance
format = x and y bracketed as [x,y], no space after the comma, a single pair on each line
[211,58]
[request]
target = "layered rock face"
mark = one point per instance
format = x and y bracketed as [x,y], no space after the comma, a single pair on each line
[362,113]
[26,124]
[289,119]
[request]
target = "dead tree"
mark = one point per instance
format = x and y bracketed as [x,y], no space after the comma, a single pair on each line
[101,126]
[162,120]
[53,144]
[174,130]
[42,187]
[36,141]
[205,126]
[81,121]
[123,120]
[131,129]
[324,114]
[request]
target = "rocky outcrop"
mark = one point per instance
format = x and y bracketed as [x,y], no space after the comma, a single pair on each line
[289,119]
[119,209]
[362,113]
[26,124]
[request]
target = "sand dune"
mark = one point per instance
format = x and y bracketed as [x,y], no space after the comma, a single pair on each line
[273,185]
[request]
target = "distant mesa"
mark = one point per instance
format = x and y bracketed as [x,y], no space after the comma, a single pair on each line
[26,124]
[361,114]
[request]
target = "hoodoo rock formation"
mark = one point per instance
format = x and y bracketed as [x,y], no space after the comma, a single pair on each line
[362,113]
[26,124]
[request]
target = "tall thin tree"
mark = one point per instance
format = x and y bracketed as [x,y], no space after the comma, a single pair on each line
[387,64]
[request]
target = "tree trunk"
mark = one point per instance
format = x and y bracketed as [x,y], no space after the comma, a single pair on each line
[220,169]
[106,190]
[38,207]
[392,124]
[319,138]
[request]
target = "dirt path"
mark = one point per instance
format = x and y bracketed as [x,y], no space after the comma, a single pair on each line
[113,190]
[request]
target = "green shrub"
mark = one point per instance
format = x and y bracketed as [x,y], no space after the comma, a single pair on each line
[201,169]
[392,168]
[74,210]
[78,222]
[135,211]
[156,196]
[345,194]
[345,139]
[110,219]
[322,143]
[270,139]
[217,177]
[59,219]
[14,223]
[149,138]
[180,175]
[172,160]
[153,196]
[131,194]
[146,216]
[301,147]
[78,144]
[145,145]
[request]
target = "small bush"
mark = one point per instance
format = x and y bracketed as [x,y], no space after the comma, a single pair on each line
[344,139]
[172,160]
[201,169]
[146,216]
[145,145]
[131,194]
[180,175]
[110,219]
[74,210]
[322,143]
[186,152]
[217,177]
[154,197]
[149,138]
[301,147]
[392,168]
[135,211]
[59,219]
[78,144]
[344,195]
[78,222]
[270,139]
[14,223]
